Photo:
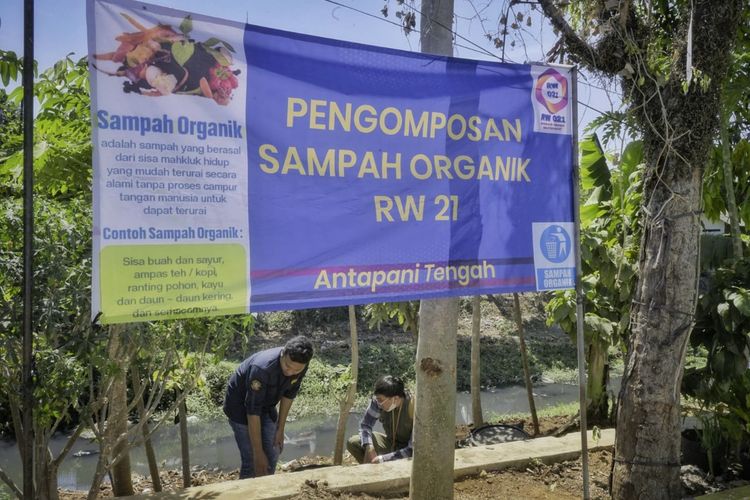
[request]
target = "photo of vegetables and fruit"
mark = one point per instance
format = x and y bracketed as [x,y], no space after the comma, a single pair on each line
[159,61]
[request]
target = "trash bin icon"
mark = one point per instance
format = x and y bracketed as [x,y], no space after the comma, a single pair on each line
[555,243]
[551,249]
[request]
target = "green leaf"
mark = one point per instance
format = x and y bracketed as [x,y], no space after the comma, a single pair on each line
[219,57]
[5,73]
[211,42]
[594,168]
[17,95]
[624,323]
[598,195]
[741,301]
[591,212]
[723,310]
[229,47]
[725,313]
[182,51]
[601,326]
[186,26]
[631,158]
[560,312]
[718,361]
[40,148]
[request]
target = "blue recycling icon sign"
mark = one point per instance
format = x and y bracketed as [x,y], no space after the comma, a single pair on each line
[555,244]
[554,255]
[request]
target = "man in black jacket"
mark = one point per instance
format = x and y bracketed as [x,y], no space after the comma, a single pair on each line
[261,382]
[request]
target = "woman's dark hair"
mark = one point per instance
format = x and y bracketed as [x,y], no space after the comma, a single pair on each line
[389,386]
[299,349]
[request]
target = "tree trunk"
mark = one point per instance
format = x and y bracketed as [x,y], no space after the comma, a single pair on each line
[54,465]
[46,474]
[435,413]
[101,469]
[678,117]
[51,481]
[647,443]
[153,468]
[525,362]
[726,156]
[679,127]
[117,423]
[476,389]
[351,392]
[596,382]
[184,444]
[15,413]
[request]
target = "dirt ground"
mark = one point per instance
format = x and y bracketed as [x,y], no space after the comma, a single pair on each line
[537,481]
[558,481]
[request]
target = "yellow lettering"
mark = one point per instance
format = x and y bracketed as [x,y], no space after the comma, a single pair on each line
[474,133]
[502,167]
[339,280]
[485,168]
[492,131]
[443,167]
[295,108]
[315,166]
[395,277]
[368,123]
[368,166]
[415,129]
[344,119]
[383,207]
[510,129]
[521,172]
[410,206]
[468,173]
[322,280]
[462,122]
[413,167]
[384,125]
[437,122]
[395,165]
[292,161]
[316,114]
[264,151]
[347,159]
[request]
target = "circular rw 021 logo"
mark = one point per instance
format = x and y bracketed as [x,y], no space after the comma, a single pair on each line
[555,244]
[552,90]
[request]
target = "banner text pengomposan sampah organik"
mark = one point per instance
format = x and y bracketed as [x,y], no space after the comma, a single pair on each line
[240,168]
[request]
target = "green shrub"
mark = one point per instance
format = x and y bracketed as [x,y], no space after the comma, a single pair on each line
[500,361]
[216,377]
[721,384]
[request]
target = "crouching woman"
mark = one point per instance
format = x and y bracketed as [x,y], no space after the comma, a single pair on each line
[394,408]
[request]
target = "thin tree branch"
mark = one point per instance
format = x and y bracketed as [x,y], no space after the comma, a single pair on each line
[69,445]
[575,44]
[9,482]
[578,48]
[15,413]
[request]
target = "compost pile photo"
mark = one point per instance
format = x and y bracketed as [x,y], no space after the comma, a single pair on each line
[160,61]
